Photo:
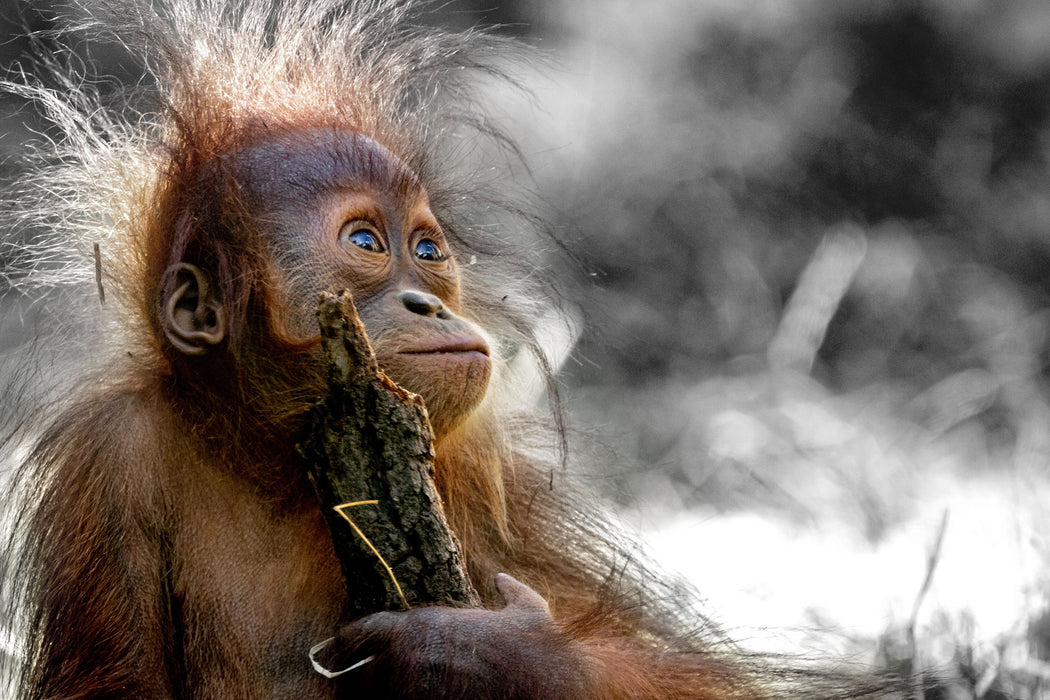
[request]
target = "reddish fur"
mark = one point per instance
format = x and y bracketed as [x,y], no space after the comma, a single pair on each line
[156,572]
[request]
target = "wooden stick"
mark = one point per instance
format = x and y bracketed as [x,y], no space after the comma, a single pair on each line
[370,455]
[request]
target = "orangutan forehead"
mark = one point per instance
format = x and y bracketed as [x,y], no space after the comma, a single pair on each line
[305,163]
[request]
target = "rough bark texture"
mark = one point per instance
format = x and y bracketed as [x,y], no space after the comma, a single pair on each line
[370,440]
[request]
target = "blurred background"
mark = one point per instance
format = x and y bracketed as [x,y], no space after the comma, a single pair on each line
[809,286]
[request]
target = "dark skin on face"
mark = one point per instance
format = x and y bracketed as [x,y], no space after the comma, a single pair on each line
[341,212]
[372,232]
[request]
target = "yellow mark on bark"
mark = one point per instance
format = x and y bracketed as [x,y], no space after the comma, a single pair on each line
[390,572]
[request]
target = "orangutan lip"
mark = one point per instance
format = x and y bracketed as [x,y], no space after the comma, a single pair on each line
[454,347]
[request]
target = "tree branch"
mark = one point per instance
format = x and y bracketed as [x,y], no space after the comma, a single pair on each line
[369,453]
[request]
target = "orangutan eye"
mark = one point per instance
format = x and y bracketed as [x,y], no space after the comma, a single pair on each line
[429,250]
[362,235]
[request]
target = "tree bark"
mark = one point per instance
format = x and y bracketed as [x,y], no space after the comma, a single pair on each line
[369,453]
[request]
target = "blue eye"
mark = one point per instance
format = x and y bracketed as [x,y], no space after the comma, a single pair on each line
[429,250]
[362,235]
[365,239]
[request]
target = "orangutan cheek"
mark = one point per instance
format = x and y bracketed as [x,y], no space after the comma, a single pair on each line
[451,384]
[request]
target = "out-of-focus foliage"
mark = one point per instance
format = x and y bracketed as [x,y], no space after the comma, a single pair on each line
[818,239]
[723,142]
[716,145]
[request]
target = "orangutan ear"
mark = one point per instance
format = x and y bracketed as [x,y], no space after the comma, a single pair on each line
[192,318]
